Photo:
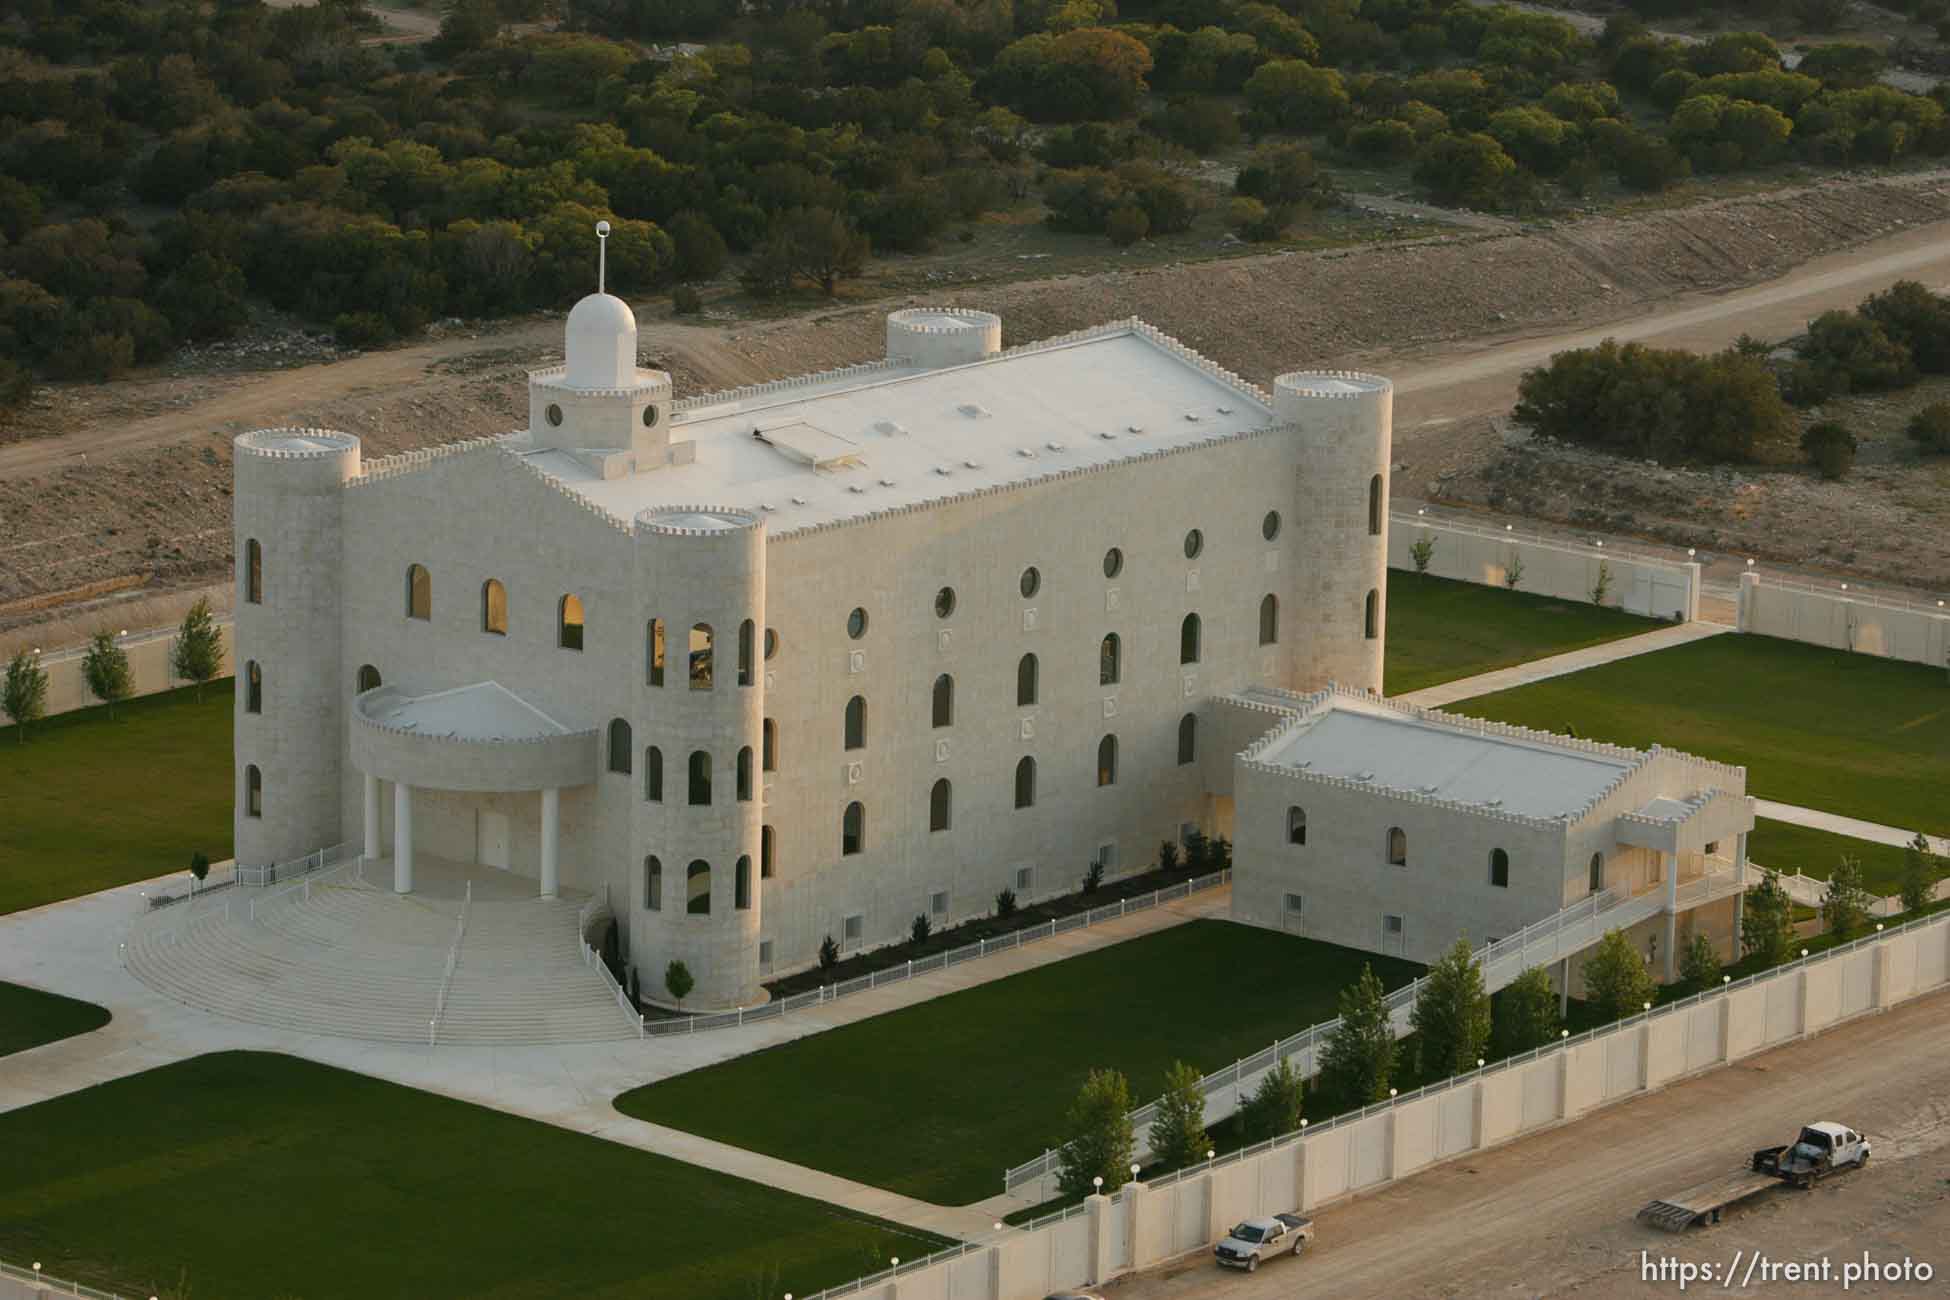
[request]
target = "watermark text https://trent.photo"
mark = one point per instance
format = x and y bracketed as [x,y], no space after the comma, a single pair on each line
[1758,1268]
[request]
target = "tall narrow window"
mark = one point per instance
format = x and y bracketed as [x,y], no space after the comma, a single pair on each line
[940,805]
[1188,739]
[700,773]
[856,722]
[701,657]
[1373,617]
[1188,640]
[253,688]
[1269,620]
[1374,506]
[741,884]
[1499,868]
[697,888]
[620,746]
[653,652]
[419,592]
[253,792]
[1110,667]
[747,653]
[1397,847]
[745,775]
[1107,761]
[1597,872]
[568,623]
[944,701]
[1296,825]
[494,608]
[853,829]
[653,774]
[368,678]
[653,883]
[1026,783]
[253,572]
[769,746]
[766,861]
[1025,681]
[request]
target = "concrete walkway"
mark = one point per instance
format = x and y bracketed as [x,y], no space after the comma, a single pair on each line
[71,948]
[1537,670]
[1840,825]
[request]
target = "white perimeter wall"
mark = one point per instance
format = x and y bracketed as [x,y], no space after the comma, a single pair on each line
[1470,553]
[1833,619]
[148,652]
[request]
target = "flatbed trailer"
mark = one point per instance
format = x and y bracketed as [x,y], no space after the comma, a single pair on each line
[1702,1204]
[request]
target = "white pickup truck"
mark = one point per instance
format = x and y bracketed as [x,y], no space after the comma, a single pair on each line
[1819,1151]
[1258,1239]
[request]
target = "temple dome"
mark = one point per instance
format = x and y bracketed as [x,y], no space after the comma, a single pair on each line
[600,343]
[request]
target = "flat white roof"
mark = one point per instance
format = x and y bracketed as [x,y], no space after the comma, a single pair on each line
[857,443]
[1380,747]
[483,711]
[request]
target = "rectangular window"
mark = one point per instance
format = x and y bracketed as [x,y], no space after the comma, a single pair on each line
[1025,877]
[1107,855]
[938,903]
[764,952]
[852,929]
[1391,924]
[1185,832]
[1295,904]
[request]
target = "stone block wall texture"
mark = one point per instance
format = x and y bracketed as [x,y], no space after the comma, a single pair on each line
[1467,553]
[1918,634]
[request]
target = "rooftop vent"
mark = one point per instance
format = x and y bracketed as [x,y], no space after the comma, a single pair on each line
[1225,410]
[1134,428]
[886,482]
[1054,446]
[798,501]
[1192,417]
[855,489]
[892,428]
[943,470]
[1108,435]
[971,464]
[1027,453]
[974,410]
[767,506]
[1364,776]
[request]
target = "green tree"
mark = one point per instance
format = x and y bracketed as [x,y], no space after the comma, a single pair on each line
[1616,981]
[1858,352]
[1913,316]
[1830,447]
[197,655]
[1701,965]
[1297,96]
[1929,428]
[678,979]
[105,667]
[23,695]
[1767,921]
[1526,1013]
[1178,1135]
[1099,1141]
[700,249]
[1921,869]
[1358,1059]
[1451,1017]
[825,247]
[1845,906]
[1276,1106]
[1468,168]
[1843,66]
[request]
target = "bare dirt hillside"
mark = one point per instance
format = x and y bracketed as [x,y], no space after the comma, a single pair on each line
[126,485]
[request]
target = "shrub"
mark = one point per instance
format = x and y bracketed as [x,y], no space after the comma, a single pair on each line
[1167,856]
[1282,173]
[677,978]
[1916,318]
[700,249]
[1127,224]
[1857,352]
[920,929]
[200,865]
[1648,403]
[360,329]
[1465,168]
[1098,1141]
[1616,981]
[1005,903]
[1701,965]
[686,301]
[1253,220]
[829,953]
[1929,428]
[1830,447]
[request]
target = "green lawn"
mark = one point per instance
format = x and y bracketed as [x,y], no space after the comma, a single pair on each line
[29,1017]
[935,1100]
[245,1174]
[1788,848]
[89,802]
[1440,630]
[1849,734]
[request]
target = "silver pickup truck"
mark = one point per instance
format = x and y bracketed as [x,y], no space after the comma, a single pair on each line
[1258,1239]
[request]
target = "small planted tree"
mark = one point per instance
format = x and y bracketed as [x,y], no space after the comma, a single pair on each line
[1167,856]
[1767,921]
[1920,872]
[1198,851]
[829,953]
[920,929]
[1422,550]
[1276,1105]
[1601,587]
[1178,1135]
[23,695]
[677,978]
[1451,1016]
[1616,981]
[106,670]
[636,989]
[1513,571]
[199,865]
[1845,907]
[1358,1060]
[197,656]
[1005,903]
[1526,1014]
[1093,876]
[1099,1142]
[1701,964]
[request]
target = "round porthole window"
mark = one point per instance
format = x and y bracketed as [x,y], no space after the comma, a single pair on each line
[1269,527]
[856,624]
[554,414]
[649,417]
[1113,562]
[1032,582]
[1194,543]
[944,602]
[771,643]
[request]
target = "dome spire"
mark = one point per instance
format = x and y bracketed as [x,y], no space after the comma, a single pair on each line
[602,254]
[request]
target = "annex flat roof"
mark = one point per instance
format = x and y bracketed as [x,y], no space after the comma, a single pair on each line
[855,443]
[1379,747]
[482,711]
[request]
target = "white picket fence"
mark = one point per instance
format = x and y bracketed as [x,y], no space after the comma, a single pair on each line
[19,1282]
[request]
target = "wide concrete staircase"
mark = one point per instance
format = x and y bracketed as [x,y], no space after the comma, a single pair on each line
[357,961]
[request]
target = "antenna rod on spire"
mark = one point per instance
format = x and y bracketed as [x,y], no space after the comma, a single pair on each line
[602,254]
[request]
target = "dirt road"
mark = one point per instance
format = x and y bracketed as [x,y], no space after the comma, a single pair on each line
[1553,1215]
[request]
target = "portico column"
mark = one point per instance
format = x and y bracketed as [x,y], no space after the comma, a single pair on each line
[1669,862]
[551,835]
[402,838]
[372,851]
[1739,899]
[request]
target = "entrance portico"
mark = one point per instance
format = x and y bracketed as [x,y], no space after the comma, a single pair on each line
[481,738]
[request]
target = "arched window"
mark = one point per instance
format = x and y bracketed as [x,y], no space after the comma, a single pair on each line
[940,805]
[368,678]
[700,772]
[853,829]
[944,701]
[620,746]
[745,775]
[1110,667]
[1107,761]
[419,592]
[1397,847]
[253,572]
[856,722]
[1188,739]
[769,746]
[1026,783]
[1373,618]
[1374,506]
[253,792]
[653,883]
[741,884]
[701,657]
[494,608]
[653,774]
[568,623]
[1025,681]
[1597,872]
[1188,640]
[747,652]
[253,688]
[1499,868]
[1269,620]
[1296,825]
[697,888]
[766,840]
[653,652]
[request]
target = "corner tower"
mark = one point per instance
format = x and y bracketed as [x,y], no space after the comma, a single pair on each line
[933,337]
